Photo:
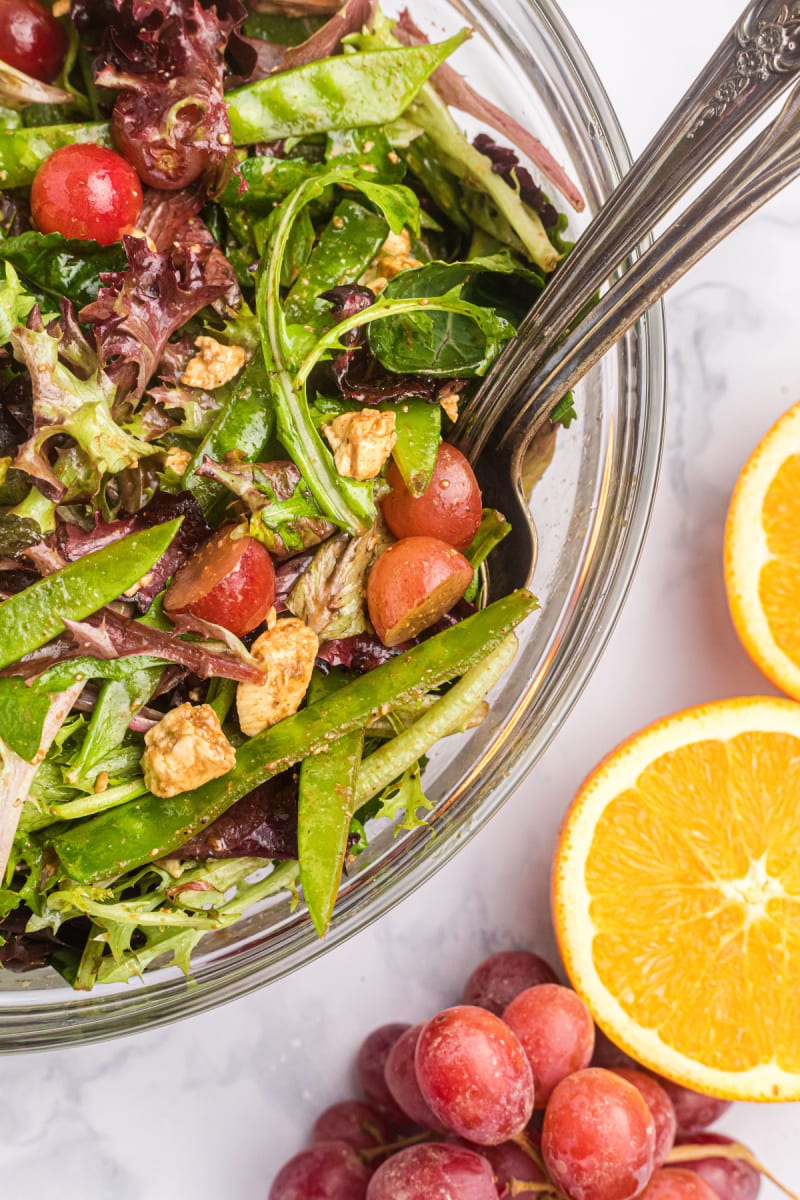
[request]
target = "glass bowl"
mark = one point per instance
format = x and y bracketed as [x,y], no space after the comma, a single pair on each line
[591,507]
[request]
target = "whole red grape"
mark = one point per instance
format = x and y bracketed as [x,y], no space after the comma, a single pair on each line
[607,1054]
[660,1106]
[327,1171]
[693,1110]
[31,39]
[498,979]
[87,192]
[435,1171]
[371,1071]
[677,1184]
[731,1178]
[350,1121]
[557,1034]
[474,1076]
[401,1079]
[509,1161]
[598,1140]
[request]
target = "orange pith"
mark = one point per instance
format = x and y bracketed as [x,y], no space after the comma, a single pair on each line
[762,554]
[677,897]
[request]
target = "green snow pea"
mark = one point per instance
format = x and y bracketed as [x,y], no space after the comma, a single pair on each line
[244,423]
[269,180]
[325,810]
[366,150]
[22,151]
[418,426]
[369,88]
[33,617]
[346,247]
[109,844]
[494,528]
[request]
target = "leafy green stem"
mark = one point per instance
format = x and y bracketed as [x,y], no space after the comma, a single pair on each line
[86,806]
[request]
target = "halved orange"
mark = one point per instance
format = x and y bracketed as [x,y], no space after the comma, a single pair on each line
[762,554]
[676,894]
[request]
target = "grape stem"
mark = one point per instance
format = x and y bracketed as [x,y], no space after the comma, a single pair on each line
[527,1147]
[517,1186]
[735,1151]
[380,1151]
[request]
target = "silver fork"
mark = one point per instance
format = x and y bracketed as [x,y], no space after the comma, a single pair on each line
[555,347]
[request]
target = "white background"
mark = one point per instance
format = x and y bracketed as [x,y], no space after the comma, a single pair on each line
[210,1108]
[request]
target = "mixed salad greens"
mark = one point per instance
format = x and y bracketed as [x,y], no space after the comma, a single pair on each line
[251,266]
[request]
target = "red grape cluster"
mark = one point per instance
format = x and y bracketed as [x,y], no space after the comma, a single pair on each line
[513,1092]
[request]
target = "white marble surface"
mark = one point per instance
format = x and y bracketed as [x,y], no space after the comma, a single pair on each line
[209,1108]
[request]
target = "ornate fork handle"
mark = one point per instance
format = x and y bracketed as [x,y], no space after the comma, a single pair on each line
[770,162]
[751,68]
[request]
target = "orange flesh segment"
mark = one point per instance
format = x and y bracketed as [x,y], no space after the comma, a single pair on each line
[779,579]
[704,847]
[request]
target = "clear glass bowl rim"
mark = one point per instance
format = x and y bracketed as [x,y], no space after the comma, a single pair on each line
[107,1014]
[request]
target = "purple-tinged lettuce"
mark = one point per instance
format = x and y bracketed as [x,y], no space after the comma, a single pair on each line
[139,309]
[256,58]
[285,517]
[166,58]
[74,541]
[106,635]
[454,90]
[71,395]
[260,825]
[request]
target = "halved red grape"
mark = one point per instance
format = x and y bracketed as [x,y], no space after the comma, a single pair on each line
[412,585]
[327,1171]
[31,39]
[598,1140]
[661,1109]
[371,1071]
[498,979]
[86,191]
[401,1079]
[474,1075]
[557,1033]
[693,1110]
[449,509]
[350,1121]
[731,1178]
[434,1171]
[677,1184]
[230,581]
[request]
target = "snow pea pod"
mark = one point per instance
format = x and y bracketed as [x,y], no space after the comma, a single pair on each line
[244,424]
[269,180]
[22,151]
[368,88]
[418,426]
[345,249]
[109,844]
[325,810]
[34,616]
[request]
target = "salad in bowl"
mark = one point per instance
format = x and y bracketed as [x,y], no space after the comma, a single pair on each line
[252,266]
